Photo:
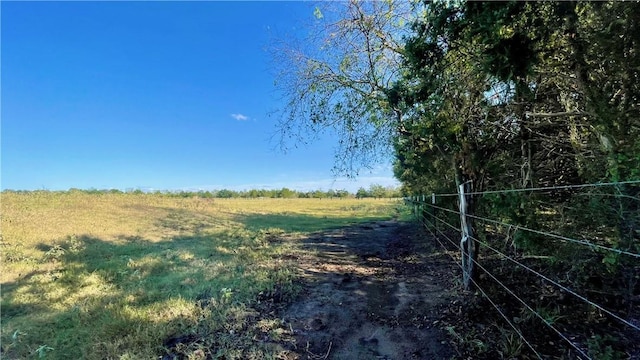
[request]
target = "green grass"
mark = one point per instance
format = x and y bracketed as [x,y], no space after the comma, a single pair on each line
[117,275]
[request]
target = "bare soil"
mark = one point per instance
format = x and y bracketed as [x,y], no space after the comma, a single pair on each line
[387,290]
[372,291]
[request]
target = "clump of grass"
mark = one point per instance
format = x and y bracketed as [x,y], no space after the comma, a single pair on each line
[97,276]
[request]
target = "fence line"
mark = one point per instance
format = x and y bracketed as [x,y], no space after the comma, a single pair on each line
[504,316]
[581,297]
[559,187]
[599,307]
[420,201]
[548,324]
[560,237]
[564,337]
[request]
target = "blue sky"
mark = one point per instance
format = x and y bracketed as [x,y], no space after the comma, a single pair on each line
[151,95]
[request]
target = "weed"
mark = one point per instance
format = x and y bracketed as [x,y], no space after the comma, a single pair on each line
[54,254]
[12,255]
[469,340]
[511,345]
[600,347]
[226,295]
[42,350]
[550,316]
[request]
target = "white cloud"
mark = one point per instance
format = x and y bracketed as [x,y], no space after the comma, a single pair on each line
[240,117]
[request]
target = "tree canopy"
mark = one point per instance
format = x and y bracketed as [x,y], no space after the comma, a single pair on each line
[521,94]
[338,80]
[495,96]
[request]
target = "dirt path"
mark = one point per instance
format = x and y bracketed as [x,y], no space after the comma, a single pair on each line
[371,292]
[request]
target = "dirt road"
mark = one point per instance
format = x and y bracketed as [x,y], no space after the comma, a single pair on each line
[371,291]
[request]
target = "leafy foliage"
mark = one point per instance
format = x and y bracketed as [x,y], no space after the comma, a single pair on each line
[336,80]
[511,95]
[508,95]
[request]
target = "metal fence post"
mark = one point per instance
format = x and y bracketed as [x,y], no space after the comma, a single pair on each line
[467,247]
[433,213]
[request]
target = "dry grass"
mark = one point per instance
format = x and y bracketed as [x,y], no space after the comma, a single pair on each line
[115,275]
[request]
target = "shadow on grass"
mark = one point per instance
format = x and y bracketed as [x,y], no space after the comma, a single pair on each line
[92,298]
[302,222]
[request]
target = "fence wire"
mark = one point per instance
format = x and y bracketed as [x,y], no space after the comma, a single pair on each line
[548,188]
[548,234]
[504,316]
[529,308]
[564,288]
[420,202]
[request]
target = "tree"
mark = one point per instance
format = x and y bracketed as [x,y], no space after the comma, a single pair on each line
[287,193]
[362,193]
[253,193]
[489,95]
[319,194]
[225,194]
[339,79]
[377,191]
[520,94]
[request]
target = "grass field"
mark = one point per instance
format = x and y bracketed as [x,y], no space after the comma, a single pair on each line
[97,276]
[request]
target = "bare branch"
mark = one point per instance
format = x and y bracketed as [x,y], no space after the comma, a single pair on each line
[557,114]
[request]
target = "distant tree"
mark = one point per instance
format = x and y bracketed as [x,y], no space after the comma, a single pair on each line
[394,192]
[225,194]
[362,193]
[271,193]
[319,194]
[287,193]
[377,191]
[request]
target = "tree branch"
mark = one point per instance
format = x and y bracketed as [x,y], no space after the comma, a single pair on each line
[558,114]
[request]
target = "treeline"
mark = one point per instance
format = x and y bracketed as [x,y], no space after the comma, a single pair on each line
[508,95]
[496,96]
[374,191]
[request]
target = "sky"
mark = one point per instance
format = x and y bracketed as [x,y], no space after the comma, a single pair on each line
[152,96]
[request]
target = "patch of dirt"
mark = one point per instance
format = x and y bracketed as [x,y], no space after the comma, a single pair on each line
[387,290]
[371,291]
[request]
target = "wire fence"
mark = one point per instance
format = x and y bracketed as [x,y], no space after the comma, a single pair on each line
[549,188]
[440,220]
